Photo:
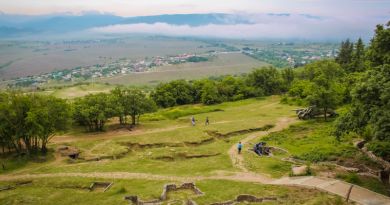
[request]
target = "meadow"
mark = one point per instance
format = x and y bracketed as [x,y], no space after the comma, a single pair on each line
[166,148]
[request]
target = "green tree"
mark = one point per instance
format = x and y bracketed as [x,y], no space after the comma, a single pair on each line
[48,116]
[378,52]
[29,121]
[93,110]
[358,57]
[178,92]
[210,94]
[324,96]
[344,57]
[266,79]
[288,77]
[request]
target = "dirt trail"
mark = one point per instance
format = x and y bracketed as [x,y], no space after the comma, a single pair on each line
[238,160]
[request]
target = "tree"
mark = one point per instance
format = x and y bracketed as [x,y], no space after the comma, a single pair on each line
[324,97]
[370,97]
[93,110]
[288,77]
[178,92]
[29,121]
[378,52]
[327,69]
[137,104]
[358,57]
[266,79]
[210,94]
[49,116]
[345,55]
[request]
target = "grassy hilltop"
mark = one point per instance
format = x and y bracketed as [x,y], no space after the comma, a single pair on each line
[166,148]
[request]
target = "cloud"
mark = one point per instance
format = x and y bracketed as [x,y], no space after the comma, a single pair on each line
[261,26]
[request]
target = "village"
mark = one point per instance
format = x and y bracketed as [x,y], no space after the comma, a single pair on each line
[121,66]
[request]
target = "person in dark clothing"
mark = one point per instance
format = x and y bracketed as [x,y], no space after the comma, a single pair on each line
[207,121]
[193,121]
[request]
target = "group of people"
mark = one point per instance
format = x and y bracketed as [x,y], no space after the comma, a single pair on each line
[259,148]
[193,121]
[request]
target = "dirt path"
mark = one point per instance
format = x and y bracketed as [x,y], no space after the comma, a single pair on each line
[337,187]
[238,160]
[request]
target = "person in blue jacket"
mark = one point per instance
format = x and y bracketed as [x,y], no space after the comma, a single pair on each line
[239,147]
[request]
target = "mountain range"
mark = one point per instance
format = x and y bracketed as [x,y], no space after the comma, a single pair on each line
[19,25]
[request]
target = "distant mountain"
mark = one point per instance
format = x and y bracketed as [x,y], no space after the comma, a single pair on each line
[17,25]
[25,25]
[189,19]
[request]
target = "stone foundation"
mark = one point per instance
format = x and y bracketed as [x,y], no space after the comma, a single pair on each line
[164,195]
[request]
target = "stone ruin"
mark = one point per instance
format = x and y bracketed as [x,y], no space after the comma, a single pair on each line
[185,186]
[15,185]
[68,151]
[191,186]
[104,186]
[164,195]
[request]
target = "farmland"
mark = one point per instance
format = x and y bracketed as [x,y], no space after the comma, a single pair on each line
[25,58]
[223,64]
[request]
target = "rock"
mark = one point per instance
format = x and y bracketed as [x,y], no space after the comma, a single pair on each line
[299,170]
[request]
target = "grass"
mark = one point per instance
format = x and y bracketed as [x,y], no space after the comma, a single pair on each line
[74,191]
[71,92]
[166,144]
[313,142]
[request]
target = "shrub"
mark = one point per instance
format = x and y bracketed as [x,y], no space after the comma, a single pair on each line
[380,148]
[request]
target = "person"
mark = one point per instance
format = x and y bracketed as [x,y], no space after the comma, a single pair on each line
[207,121]
[193,120]
[239,147]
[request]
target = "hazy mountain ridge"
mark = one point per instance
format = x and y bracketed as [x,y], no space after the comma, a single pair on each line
[19,25]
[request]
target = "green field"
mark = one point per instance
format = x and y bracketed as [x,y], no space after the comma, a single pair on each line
[165,148]
[70,92]
[223,64]
[38,57]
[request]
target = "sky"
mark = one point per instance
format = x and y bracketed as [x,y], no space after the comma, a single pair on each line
[338,18]
[347,8]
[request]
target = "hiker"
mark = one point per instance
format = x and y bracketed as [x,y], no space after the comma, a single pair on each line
[193,120]
[207,121]
[239,147]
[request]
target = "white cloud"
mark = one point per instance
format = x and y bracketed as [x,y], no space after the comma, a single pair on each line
[264,26]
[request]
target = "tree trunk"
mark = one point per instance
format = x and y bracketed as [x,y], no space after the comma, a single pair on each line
[325,110]
[133,116]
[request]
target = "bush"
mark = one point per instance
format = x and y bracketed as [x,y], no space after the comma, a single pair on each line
[314,155]
[352,178]
[380,148]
